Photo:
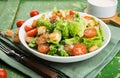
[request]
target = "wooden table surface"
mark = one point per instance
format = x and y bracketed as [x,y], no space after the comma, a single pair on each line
[13,10]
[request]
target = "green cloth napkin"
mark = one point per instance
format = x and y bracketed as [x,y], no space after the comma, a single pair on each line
[83,69]
[13,63]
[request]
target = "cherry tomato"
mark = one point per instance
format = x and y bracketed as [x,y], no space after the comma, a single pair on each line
[43,48]
[32,32]
[19,23]
[71,12]
[34,13]
[3,73]
[79,49]
[28,28]
[90,32]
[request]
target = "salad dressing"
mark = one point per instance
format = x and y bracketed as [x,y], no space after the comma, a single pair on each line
[103,3]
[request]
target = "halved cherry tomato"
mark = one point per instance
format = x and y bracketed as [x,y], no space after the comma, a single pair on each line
[43,48]
[71,12]
[3,73]
[28,28]
[32,32]
[79,49]
[90,32]
[34,13]
[19,23]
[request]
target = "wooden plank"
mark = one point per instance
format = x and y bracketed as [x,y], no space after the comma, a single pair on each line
[9,13]
[2,5]
[112,70]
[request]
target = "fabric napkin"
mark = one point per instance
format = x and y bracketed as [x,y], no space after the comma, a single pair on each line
[13,63]
[84,69]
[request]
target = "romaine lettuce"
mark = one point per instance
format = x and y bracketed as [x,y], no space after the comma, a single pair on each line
[73,40]
[77,28]
[56,51]
[32,43]
[45,22]
[92,41]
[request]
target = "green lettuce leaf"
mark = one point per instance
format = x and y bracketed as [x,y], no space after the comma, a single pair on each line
[63,27]
[53,50]
[56,50]
[32,43]
[45,22]
[77,28]
[73,40]
[92,41]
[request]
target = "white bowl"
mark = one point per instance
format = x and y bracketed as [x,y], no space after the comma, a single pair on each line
[102,8]
[60,59]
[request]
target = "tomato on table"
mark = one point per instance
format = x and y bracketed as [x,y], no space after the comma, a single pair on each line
[3,73]
[79,49]
[34,13]
[90,32]
[20,22]
[43,48]
[32,32]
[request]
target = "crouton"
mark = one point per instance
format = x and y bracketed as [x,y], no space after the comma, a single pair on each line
[8,33]
[34,24]
[16,39]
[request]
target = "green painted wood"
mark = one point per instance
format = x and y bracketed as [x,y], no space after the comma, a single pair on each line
[16,11]
[8,9]
[8,15]
[47,5]
[2,5]
[112,70]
